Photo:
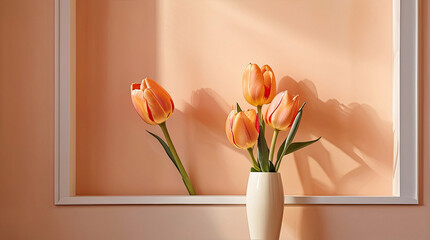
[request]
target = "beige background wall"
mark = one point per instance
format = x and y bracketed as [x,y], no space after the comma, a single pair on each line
[336,54]
[27,164]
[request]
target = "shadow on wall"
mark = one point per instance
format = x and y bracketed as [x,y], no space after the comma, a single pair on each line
[108,33]
[209,110]
[354,129]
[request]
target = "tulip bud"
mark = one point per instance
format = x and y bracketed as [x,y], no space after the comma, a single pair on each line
[153,104]
[282,111]
[258,85]
[242,128]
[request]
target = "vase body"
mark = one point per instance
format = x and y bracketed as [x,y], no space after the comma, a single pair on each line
[264,205]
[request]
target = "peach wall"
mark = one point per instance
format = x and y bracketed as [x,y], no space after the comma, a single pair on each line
[338,58]
[27,208]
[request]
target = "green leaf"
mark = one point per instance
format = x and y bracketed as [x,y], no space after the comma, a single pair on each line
[166,148]
[238,109]
[280,150]
[299,145]
[262,151]
[254,170]
[271,167]
[290,136]
[292,132]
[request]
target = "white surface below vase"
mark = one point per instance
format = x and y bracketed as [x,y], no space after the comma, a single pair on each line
[264,205]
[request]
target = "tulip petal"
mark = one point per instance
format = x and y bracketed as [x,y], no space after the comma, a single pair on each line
[240,132]
[253,117]
[253,85]
[269,83]
[283,116]
[295,108]
[173,105]
[257,124]
[162,96]
[266,92]
[158,114]
[272,91]
[252,131]
[149,112]
[274,106]
[135,86]
[139,104]
[229,128]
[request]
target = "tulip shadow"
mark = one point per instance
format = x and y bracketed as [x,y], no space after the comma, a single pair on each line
[355,129]
[206,114]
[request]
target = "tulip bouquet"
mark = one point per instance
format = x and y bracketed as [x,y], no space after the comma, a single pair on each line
[246,128]
[154,105]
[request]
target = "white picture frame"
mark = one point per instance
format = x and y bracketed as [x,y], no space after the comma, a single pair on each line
[405,108]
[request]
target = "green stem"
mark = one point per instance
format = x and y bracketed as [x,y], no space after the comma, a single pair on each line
[272,146]
[260,119]
[253,160]
[181,168]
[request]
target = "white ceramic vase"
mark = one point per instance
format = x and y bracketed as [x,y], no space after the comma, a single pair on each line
[264,205]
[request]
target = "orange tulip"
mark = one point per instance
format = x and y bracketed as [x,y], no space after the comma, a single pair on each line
[242,128]
[151,101]
[258,85]
[281,112]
